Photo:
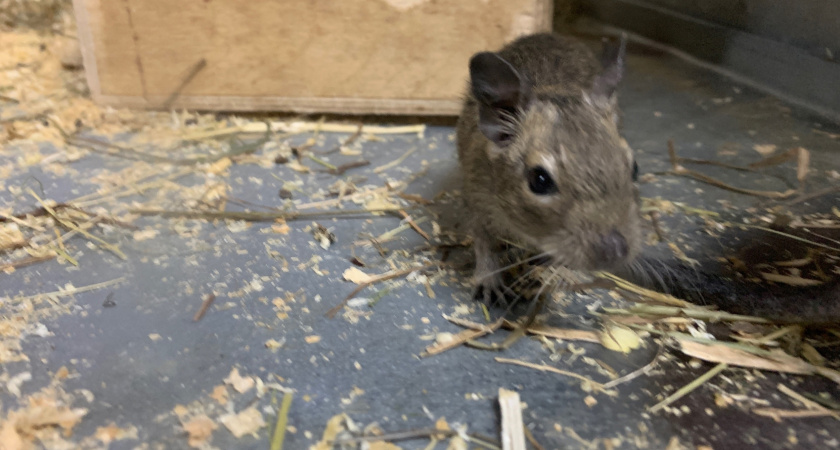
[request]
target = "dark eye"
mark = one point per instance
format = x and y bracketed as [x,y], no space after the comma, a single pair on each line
[635,171]
[540,182]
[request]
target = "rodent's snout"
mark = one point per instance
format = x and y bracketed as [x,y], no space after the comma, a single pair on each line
[612,248]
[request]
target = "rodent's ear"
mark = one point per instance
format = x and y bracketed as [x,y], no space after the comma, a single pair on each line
[500,92]
[612,60]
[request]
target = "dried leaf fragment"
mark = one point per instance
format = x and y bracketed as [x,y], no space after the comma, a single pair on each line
[620,339]
[280,227]
[199,429]
[238,382]
[112,433]
[354,275]
[298,167]
[247,421]
[273,344]
[335,425]
[62,373]
[15,382]
[779,362]
[219,166]
[442,424]
[220,394]
[144,235]
[764,149]
[379,203]
[20,427]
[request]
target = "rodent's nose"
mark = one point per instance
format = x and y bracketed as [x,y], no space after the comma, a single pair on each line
[613,247]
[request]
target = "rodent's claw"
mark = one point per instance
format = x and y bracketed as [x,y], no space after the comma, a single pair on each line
[493,295]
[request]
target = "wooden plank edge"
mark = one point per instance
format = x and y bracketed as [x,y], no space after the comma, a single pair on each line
[84,32]
[544,12]
[301,105]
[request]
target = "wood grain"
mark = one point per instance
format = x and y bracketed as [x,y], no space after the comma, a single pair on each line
[352,56]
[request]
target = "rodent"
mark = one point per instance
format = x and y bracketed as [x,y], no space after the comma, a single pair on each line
[542,161]
[543,165]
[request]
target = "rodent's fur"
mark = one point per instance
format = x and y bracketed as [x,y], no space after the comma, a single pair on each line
[545,101]
[808,305]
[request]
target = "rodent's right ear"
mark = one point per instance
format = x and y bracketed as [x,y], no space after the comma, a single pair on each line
[612,60]
[500,93]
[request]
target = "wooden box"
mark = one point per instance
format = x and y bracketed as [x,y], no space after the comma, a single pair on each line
[331,56]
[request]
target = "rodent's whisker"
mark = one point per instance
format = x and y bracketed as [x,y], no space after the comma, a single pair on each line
[539,293]
[513,301]
[517,263]
[643,272]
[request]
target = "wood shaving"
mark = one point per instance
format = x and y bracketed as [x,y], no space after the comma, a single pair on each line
[248,421]
[238,382]
[764,149]
[38,420]
[273,344]
[335,425]
[620,339]
[144,235]
[779,362]
[110,433]
[355,275]
[220,394]
[513,434]
[199,430]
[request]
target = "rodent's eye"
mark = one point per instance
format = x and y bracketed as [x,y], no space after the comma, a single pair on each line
[635,171]
[540,182]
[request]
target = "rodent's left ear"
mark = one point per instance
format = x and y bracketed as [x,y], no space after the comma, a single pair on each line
[612,60]
[500,92]
[494,81]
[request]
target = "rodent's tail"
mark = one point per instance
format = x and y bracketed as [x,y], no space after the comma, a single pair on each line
[812,305]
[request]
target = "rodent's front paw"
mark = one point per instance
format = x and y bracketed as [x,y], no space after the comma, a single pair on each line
[493,293]
[489,296]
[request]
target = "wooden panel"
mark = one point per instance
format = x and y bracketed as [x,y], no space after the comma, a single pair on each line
[348,56]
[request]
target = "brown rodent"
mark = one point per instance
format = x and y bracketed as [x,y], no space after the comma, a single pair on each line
[543,165]
[542,161]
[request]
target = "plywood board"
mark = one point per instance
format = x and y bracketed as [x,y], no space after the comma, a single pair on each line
[348,56]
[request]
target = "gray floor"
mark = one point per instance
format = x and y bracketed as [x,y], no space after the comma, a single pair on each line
[370,368]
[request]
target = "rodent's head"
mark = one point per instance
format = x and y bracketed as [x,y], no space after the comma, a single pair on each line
[571,187]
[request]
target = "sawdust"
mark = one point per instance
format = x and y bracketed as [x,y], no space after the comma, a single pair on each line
[220,394]
[46,418]
[199,430]
[238,382]
[110,433]
[245,422]
[355,275]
